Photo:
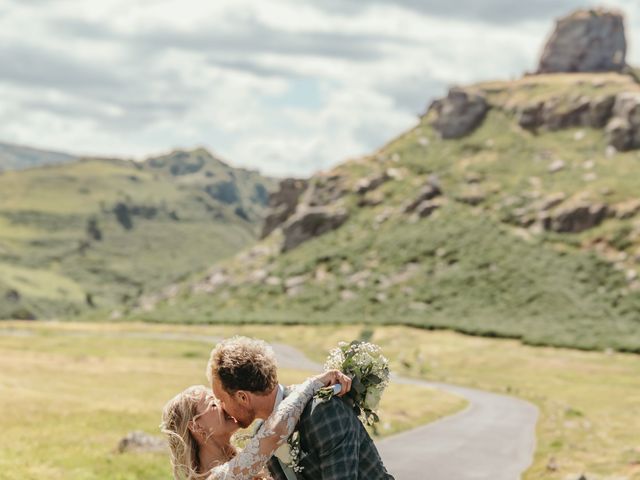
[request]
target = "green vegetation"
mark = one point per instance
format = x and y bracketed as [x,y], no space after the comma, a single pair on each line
[97,233]
[72,391]
[589,401]
[473,266]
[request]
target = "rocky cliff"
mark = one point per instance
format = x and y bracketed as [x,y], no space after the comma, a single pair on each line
[511,209]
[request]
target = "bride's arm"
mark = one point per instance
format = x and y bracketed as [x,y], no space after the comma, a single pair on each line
[275,430]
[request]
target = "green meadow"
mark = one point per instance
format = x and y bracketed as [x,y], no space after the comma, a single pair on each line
[70,392]
[102,380]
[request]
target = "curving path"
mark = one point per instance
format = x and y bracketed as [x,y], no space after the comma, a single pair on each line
[492,439]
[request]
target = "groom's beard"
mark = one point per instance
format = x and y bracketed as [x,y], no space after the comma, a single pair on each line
[246,419]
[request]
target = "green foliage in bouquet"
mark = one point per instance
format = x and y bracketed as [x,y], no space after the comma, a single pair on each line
[369,371]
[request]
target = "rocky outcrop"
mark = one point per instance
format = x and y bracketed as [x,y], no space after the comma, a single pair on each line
[560,112]
[586,41]
[575,218]
[623,130]
[428,192]
[311,222]
[141,442]
[627,209]
[459,113]
[283,203]
[365,185]
[427,207]
[324,190]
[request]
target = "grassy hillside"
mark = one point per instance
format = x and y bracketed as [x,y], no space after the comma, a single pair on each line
[96,233]
[485,261]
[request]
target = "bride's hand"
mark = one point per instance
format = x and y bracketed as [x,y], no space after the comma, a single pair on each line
[332,377]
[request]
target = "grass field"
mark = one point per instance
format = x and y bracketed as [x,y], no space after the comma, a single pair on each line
[70,392]
[589,401]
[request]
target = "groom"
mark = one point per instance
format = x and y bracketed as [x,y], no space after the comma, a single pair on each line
[243,375]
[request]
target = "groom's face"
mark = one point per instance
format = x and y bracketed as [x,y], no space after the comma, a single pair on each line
[238,404]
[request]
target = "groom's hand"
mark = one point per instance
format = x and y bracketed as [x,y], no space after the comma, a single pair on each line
[333,377]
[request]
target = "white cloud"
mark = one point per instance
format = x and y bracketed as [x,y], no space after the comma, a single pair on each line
[289,87]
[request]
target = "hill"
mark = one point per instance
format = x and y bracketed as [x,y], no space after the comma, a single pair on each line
[96,233]
[510,210]
[18,157]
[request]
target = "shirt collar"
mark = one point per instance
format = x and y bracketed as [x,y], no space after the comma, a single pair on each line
[279,396]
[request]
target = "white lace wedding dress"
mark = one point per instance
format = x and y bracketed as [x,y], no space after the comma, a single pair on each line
[274,432]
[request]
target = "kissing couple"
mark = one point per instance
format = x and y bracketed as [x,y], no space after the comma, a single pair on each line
[331,442]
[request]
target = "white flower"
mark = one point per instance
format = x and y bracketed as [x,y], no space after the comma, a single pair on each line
[372,399]
[366,364]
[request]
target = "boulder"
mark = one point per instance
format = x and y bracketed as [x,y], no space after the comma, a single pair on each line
[295,285]
[575,218]
[369,184]
[556,166]
[557,113]
[372,199]
[427,207]
[471,197]
[619,134]
[141,442]
[623,130]
[529,117]
[347,295]
[283,203]
[627,209]
[552,200]
[216,279]
[430,191]
[324,189]
[586,41]
[459,113]
[600,110]
[311,222]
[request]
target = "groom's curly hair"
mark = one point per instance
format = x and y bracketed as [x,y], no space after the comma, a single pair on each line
[242,363]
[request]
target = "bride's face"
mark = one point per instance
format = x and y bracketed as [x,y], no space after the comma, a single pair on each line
[212,418]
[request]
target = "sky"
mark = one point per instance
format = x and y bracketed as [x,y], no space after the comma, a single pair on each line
[288,87]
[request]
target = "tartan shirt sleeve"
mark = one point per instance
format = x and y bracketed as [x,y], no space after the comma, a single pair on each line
[332,429]
[275,470]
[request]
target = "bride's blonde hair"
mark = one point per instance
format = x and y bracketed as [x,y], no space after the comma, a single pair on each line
[176,415]
[183,446]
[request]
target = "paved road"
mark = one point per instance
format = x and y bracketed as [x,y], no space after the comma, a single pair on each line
[492,439]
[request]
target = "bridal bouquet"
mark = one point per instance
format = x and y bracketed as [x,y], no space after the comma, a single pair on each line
[369,370]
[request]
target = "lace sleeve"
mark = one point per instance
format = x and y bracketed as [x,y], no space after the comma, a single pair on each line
[273,433]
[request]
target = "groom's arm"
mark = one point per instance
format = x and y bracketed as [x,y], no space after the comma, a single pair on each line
[275,470]
[332,431]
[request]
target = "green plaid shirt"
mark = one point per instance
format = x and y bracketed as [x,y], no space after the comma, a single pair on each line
[337,446]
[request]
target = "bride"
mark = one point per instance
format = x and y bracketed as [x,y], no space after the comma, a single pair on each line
[199,432]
